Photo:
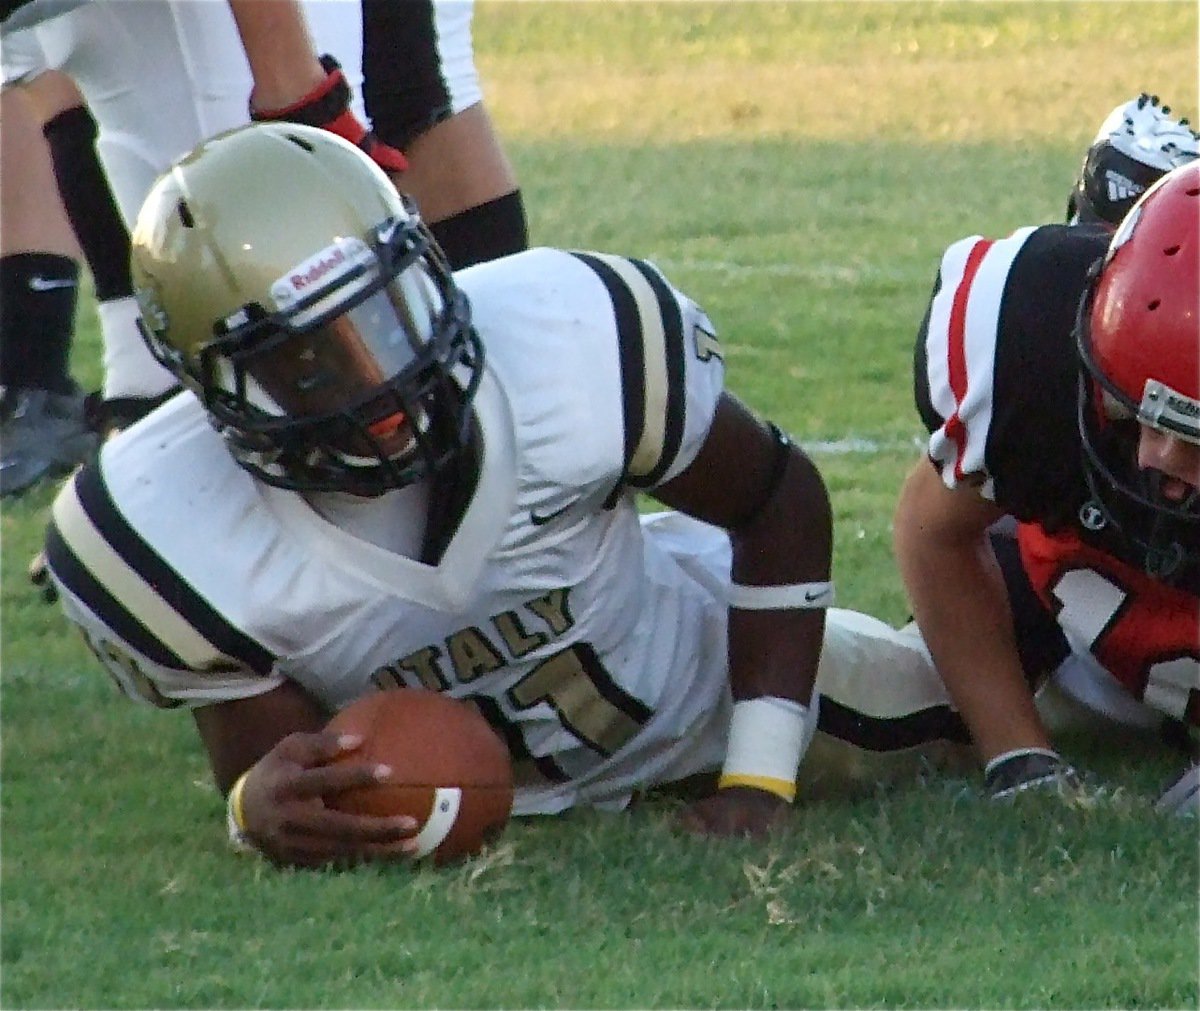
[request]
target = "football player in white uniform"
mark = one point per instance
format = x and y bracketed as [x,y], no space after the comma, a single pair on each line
[385,474]
[1058,371]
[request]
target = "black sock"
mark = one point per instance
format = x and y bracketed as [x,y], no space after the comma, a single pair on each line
[485,232]
[38,292]
[91,207]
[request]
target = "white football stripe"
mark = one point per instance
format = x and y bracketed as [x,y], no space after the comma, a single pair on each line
[446,802]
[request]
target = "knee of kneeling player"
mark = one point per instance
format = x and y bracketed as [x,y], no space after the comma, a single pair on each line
[486,232]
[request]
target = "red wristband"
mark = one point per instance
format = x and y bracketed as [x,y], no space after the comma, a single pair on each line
[328,106]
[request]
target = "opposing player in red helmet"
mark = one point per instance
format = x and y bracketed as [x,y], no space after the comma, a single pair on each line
[1058,373]
[1138,339]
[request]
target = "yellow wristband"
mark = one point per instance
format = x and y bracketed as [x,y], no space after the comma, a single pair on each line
[784,788]
[235,801]
[235,815]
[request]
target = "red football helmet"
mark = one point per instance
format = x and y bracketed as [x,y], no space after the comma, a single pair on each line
[1139,340]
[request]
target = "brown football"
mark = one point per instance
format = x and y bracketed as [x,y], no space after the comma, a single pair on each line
[450,770]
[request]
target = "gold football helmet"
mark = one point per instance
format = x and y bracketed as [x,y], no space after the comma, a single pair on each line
[284,280]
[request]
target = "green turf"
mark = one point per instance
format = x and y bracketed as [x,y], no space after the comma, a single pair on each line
[798,169]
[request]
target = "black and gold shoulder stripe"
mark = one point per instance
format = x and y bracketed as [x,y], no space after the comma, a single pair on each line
[94,552]
[650,332]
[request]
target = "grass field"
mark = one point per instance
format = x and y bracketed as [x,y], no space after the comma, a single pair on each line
[798,168]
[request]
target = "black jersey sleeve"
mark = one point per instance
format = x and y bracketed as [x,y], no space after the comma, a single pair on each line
[996,374]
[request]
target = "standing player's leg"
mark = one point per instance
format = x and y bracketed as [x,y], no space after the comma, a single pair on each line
[158,76]
[43,431]
[70,133]
[422,94]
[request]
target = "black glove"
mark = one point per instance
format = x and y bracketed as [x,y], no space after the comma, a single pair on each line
[1024,769]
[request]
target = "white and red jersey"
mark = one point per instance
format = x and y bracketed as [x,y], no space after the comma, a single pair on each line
[593,640]
[997,384]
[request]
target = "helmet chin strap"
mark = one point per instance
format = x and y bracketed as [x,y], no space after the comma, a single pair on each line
[1161,560]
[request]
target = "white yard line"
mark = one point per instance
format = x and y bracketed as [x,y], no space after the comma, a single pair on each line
[856,445]
[826,272]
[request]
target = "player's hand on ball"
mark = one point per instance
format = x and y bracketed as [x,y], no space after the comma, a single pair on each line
[733,812]
[285,815]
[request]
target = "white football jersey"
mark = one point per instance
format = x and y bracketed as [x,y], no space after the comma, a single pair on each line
[592,639]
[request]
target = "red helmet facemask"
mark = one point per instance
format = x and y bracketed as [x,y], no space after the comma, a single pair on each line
[1138,334]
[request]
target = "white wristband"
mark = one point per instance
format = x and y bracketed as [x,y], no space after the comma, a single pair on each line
[780,598]
[767,738]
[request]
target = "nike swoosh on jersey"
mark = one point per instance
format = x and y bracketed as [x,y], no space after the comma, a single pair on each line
[39,283]
[541,519]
